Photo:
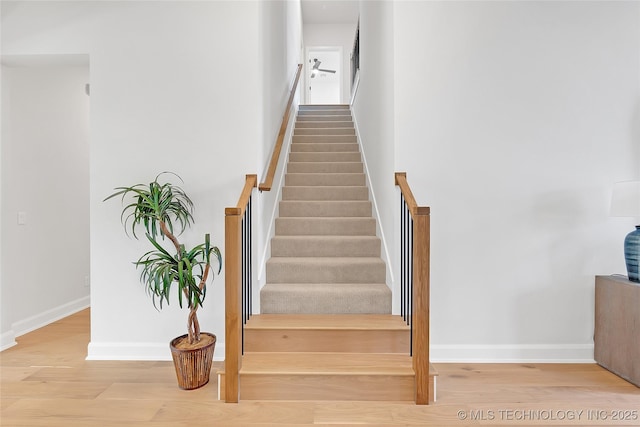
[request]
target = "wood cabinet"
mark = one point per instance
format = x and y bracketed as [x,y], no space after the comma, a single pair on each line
[617,326]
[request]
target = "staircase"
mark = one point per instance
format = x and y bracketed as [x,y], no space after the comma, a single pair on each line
[325,256]
[326,331]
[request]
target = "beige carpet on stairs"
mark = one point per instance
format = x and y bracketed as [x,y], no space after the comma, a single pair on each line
[325,255]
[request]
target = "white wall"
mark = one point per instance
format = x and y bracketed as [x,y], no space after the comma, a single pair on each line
[281,36]
[45,175]
[173,87]
[184,86]
[513,120]
[7,336]
[326,35]
[373,111]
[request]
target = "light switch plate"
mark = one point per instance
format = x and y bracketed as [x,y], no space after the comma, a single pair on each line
[22,218]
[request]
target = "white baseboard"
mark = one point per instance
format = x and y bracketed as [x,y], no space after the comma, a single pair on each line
[7,340]
[24,326]
[525,353]
[138,351]
[32,323]
[522,353]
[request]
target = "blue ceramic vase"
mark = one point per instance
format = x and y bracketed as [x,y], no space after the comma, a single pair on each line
[632,254]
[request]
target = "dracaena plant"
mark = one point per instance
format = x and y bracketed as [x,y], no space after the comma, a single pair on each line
[165,211]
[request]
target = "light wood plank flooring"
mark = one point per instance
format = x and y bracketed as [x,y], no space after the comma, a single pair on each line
[47,382]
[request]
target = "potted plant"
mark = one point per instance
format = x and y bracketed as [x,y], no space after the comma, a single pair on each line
[164,211]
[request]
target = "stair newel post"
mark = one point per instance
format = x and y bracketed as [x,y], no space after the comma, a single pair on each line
[420,312]
[417,268]
[233,323]
[236,277]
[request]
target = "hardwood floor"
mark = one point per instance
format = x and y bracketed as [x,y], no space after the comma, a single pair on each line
[47,382]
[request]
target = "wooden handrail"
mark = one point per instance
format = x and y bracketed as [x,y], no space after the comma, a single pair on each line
[421,272]
[401,181]
[275,156]
[233,290]
[249,184]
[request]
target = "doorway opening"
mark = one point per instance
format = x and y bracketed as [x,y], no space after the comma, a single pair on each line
[323,75]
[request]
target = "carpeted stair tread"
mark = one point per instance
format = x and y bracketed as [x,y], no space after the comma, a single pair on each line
[324,147]
[324,167]
[324,179]
[325,112]
[325,193]
[325,298]
[325,246]
[349,130]
[305,107]
[336,122]
[357,226]
[330,208]
[324,118]
[323,138]
[326,270]
[325,157]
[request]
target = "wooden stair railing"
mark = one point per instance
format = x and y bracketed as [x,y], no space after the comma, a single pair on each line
[275,156]
[415,241]
[237,277]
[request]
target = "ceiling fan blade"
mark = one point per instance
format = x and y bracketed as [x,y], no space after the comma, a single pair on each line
[326,71]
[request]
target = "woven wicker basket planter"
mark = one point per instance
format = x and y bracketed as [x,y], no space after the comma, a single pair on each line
[194,365]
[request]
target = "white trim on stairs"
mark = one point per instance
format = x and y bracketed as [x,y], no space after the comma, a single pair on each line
[384,253]
[276,193]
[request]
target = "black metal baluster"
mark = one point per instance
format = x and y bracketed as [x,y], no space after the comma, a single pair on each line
[402,284]
[246,265]
[406,267]
[250,260]
[407,262]
[242,290]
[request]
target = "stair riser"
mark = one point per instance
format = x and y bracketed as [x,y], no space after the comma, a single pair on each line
[323,124]
[326,387]
[325,247]
[399,387]
[326,139]
[324,167]
[310,272]
[325,193]
[326,118]
[325,226]
[337,298]
[324,131]
[324,112]
[325,157]
[349,341]
[328,179]
[307,107]
[329,208]
[308,147]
